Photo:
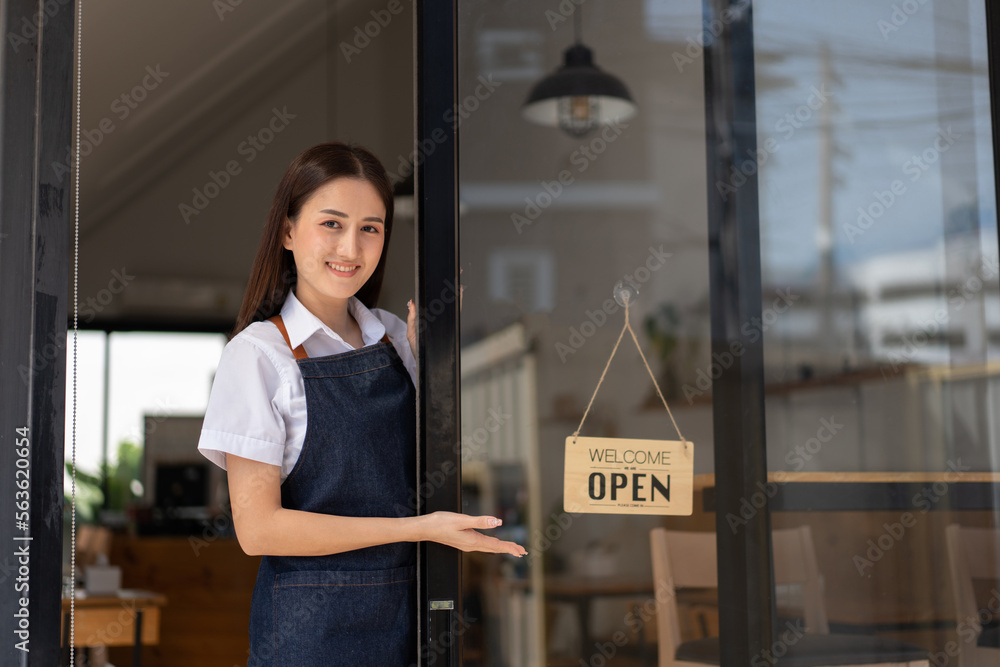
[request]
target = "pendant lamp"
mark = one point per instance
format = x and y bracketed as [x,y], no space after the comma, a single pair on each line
[578,96]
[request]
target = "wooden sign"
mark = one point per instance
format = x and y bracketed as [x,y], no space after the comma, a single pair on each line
[626,476]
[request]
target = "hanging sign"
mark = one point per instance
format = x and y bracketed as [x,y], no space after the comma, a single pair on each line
[628,476]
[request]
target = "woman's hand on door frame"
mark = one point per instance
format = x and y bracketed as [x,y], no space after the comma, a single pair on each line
[411,319]
[411,326]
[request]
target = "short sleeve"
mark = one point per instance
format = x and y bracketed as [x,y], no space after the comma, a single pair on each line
[245,408]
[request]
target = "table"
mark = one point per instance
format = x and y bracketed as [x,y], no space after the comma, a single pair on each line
[581,590]
[126,618]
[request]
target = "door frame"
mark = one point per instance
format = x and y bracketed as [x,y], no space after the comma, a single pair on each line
[745,567]
[441,621]
[36,74]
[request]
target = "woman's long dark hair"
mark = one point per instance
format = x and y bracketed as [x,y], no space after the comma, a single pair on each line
[273,272]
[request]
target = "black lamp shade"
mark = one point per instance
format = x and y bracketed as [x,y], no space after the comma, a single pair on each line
[578,96]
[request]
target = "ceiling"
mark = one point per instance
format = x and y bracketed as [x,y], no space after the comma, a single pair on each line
[172,94]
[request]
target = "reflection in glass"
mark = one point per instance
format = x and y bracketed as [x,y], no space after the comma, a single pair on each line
[549,224]
[880,320]
[880,315]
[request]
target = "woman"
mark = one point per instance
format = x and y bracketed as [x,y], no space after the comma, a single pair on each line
[312,413]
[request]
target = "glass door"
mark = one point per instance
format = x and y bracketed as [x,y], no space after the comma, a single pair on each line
[551,217]
[878,244]
[804,196]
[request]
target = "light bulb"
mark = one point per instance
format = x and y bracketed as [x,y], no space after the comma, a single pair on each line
[579,114]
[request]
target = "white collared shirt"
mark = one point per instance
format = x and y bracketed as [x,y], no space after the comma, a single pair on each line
[257,408]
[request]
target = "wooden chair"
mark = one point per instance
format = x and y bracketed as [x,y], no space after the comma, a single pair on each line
[973,554]
[688,560]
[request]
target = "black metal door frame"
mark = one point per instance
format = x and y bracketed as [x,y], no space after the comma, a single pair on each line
[440,623]
[36,68]
[746,576]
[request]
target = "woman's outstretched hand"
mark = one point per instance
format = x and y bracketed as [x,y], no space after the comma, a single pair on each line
[459,531]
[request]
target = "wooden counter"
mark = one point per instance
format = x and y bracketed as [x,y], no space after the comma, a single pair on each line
[208,584]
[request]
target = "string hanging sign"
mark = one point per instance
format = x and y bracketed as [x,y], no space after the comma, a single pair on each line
[624,475]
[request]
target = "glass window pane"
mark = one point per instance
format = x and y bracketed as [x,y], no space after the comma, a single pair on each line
[880,283]
[153,378]
[550,221]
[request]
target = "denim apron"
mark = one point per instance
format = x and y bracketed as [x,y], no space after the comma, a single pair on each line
[358,459]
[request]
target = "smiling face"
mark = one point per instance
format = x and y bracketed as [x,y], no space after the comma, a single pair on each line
[337,242]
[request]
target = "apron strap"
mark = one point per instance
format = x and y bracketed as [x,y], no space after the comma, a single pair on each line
[300,352]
